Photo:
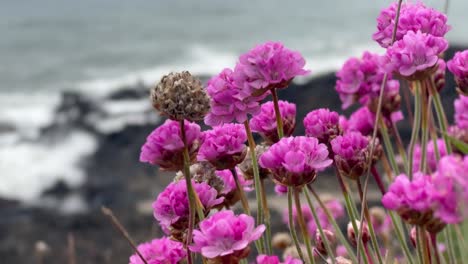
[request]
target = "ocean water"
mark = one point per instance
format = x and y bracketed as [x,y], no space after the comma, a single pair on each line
[49,46]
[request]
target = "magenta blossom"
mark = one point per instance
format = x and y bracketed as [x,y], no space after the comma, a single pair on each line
[281,189]
[160,251]
[294,161]
[265,259]
[431,157]
[351,154]
[322,124]
[172,207]
[266,66]
[458,65]
[228,102]
[226,235]
[230,184]
[164,146]
[363,120]
[265,122]
[360,80]
[461,112]
[413,17]
[415,53]
[224,146]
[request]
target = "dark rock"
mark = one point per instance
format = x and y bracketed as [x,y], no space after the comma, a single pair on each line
[60,189]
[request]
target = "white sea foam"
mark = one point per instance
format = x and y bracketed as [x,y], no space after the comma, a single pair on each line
[28,168]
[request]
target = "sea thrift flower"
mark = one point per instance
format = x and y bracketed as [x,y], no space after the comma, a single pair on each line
[281,189]
[322,124]
[230,191]
[381,221]
[264,123]
[228,102]
[363,120]
[336,210]
[458,65]
[265,259]
[226,236]
[413,17]
[224,146]
[164,146]
[160,251]
[360,79]
[431,157]
[351,154]
[181,96]
[415,55]
[319,241]
[461,112]
[171,208]
[353,237]
[294,161]
[266,66]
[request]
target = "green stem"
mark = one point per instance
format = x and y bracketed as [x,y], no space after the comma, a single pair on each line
[375,244]
[266,213]
[279,120]
[319,226]
[400,236]
[400,146]
[258,191]
[388,146]
[243,197]
[424,128]
[332,220]
[302,225]
[416,126]
[441,118]
[291,224]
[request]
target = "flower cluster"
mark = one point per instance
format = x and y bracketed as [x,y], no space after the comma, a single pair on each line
[413,17]
[224,146]
[171,207]
[164,146]
[360,79]
[294,161]
[226,236]
[265,122]
[160,251]
[266,66]
[458,65]
[322,124]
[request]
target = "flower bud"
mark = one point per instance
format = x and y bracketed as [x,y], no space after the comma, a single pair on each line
[352,236]
[180,96]
[319,242]
[281,240]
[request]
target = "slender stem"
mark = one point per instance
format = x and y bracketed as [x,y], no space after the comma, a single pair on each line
[108,212]
[378,180]
[425,107]
[434,246]
[302,225]
[258,186]
[319,226]
[400,146]
[279,120]
[291,224]
[451,250]
[416,126]
[442,119]
[422,245]
[388,146]
[332,220]
[243,197]
[375,244]
[266,213]
[368,254]
[386,167]
[400,235]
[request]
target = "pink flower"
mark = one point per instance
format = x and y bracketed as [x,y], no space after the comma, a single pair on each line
[164,145]
[360,80]
[160,251]
[351,154]
[451,184]
[363,120]
[413,17]
[266,66]
[431,157]
[265,259]
[224,234]
[461,112]
[229,182]
[264,123]
[281,189]
[172,205]
[224,146]
[322,124]
[294,161]
[335,208]
[458,65]
[228,102]
[414,53]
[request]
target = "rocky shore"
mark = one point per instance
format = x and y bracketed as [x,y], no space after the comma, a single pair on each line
[114,177]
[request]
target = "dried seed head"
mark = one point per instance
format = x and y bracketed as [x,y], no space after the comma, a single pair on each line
[281,240]
[246,166]
[203,172]
[181,96]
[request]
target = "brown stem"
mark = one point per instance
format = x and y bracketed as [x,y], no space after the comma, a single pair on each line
[434,245]
[378,180]
[108,212]
[243,198]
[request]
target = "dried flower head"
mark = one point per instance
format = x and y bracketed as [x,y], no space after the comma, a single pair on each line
[160,251]
[246,165]
[203,172]
[281,240]
[181,96]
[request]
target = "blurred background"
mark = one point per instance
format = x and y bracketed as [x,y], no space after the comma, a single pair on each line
[74,79]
